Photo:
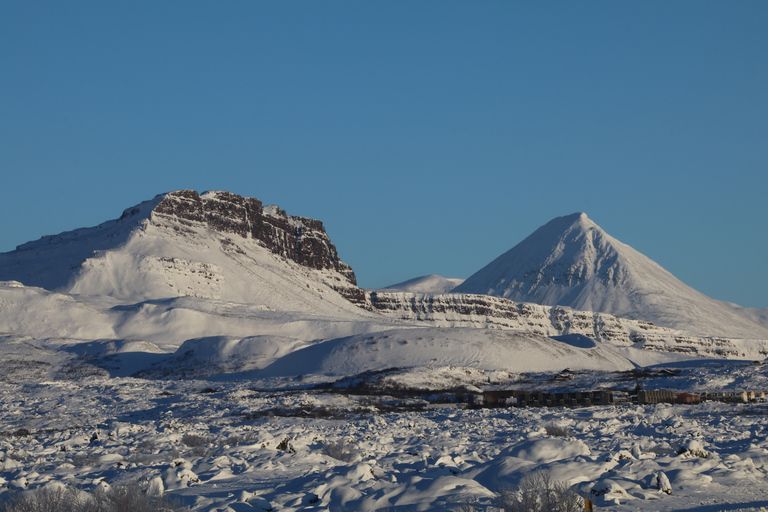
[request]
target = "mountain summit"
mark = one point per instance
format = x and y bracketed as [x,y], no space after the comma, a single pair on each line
[571,261]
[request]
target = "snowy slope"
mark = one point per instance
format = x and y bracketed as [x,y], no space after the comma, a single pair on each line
[39,313]
[274,356]
[426,284]
[758,315]
[475,348]
[571,261]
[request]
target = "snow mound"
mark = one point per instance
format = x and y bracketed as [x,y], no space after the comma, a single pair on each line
[225,354]
[462,347]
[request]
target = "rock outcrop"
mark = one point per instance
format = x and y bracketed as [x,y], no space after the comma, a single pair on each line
[296,238]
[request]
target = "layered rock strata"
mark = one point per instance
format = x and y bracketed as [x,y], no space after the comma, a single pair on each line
[296,238]
[494,312]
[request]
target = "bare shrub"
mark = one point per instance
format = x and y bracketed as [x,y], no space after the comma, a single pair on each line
[200,445]
[117,499]
[538,492]
[131,498]
[193,440]
[173,454]
[82,460]
[345,452]
[138,458]
[553,429]
[466,505]
[148,445]
[248,437]
[46,500]
[201,451]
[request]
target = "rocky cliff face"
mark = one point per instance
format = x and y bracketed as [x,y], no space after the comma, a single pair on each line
[296,238]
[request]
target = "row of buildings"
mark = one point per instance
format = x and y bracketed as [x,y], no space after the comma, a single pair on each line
[500,398]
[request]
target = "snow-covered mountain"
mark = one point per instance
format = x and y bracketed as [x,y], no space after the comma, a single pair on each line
[426,284]
[217,245]
[571,261]
[190,284]
[226,315]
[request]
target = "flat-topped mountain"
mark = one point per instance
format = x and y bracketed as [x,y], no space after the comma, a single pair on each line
[571,261]
[215,245]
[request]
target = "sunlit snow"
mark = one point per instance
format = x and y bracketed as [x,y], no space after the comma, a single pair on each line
[201,365]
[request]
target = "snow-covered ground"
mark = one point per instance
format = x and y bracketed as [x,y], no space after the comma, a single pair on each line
[226,445]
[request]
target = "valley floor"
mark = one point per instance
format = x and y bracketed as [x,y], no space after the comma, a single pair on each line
[224,446]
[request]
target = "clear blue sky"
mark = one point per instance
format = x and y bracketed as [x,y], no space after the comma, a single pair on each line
[429,136]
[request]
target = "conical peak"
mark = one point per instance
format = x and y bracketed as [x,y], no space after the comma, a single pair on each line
[569,222]
[564,253]
[569,227]
[578,216]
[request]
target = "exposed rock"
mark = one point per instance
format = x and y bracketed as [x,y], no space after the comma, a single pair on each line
[296,238]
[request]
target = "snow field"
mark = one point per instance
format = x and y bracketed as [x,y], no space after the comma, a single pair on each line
[225,447]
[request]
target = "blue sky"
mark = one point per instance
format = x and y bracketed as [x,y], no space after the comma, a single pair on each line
[429,137]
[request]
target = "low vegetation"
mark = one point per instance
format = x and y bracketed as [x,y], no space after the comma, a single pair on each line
[553,429]
[538,492]
[69,499]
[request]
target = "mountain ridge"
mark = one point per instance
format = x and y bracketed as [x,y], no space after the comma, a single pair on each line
[243,285]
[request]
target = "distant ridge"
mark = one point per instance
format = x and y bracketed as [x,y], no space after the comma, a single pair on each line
[571,261]
[426,284]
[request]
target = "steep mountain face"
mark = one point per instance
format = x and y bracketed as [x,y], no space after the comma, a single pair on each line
[296,238]
[216,245]
[572,262]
